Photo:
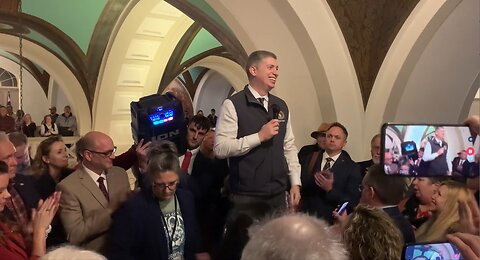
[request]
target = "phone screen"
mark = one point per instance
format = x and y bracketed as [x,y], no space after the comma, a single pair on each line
[343,208]
[429,150]
[432,251]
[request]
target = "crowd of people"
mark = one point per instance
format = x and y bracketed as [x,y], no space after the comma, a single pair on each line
[51,124]
[241,190]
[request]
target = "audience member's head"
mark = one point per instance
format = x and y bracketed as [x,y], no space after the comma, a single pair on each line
[212,111]
[293,237]
[425,187]
[445,217]
[27,119]
[196,130]
[4,180]
[375,148]
[321,135]
[20,114]
[22,153]
[162,169]
[96,151]
[53,110]
[379,189]
[47,119]
[336,138]
[67,110]
[51,155]
[388,158]
[200,113]
[370,234]
[72,253]
[463,155]
[3,111]
[7,154]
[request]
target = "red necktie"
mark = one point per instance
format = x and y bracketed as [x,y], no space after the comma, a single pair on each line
[102,187]
[186,161]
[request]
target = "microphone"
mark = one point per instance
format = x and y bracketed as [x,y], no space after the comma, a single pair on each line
[276,111]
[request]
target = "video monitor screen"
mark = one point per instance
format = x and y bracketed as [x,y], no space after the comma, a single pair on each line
[429,150]
[432,251]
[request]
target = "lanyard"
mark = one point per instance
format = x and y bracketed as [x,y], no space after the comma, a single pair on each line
[164,221]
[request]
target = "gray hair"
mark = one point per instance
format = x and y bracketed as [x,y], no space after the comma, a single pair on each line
[293,237]
[72,253]
[162,156]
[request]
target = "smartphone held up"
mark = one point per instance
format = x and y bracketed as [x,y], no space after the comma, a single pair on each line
[429,150]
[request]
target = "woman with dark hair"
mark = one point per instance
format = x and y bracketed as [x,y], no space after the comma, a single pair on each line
[49,167]
[12,243]
[159,221]
[19,120]
[48,127]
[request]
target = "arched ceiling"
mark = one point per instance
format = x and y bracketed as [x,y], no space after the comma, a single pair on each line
[77,33]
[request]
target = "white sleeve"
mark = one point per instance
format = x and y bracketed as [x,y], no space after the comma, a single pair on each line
[427,154]
[226,142]
[291,155]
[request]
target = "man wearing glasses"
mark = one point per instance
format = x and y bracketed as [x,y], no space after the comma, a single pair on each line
[92,193]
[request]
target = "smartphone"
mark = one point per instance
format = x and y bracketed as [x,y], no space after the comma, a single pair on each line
[342,208]
[436,250]
[428,150]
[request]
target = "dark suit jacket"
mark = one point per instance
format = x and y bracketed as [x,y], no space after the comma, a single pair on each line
[402,224]
[25,187]
[465,167]
[138,232]
[364,165]
[347,180]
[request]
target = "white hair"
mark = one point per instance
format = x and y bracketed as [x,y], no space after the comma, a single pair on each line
[293,237]
[72,253]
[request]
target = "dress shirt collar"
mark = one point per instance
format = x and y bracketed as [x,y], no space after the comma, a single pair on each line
[95,175]
[256,95]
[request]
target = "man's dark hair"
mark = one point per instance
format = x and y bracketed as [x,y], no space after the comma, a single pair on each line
[17,138]
[337,124]
[256,57]
[212,110]
[3,168]
[200,122]
[390,190]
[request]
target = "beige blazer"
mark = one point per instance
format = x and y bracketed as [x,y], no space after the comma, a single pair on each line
[83,207]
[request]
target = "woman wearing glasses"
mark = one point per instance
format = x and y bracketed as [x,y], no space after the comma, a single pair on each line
[159,221]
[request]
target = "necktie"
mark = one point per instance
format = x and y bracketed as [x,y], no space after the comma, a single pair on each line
[102,187]
[186,161]
[261,100]
[17,207]
[327,164]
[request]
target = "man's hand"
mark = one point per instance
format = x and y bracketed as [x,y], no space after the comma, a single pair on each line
[324,181]
[142,150]
[294,196]
[440,151]
[269,130]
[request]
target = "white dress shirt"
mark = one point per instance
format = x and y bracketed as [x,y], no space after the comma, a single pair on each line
[228,145]
[95,176]
[194,154]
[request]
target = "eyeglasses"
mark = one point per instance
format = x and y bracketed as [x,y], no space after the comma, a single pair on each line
[171,186]
[106,154]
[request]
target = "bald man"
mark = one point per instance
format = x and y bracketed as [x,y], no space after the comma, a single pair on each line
[91,194]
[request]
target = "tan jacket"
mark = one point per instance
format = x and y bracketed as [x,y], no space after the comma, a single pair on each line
[84,208]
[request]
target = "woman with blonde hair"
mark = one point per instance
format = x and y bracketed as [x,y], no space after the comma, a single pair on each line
[445,217]
[369,233]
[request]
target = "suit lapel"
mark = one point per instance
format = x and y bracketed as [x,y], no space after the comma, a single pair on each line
[92,187]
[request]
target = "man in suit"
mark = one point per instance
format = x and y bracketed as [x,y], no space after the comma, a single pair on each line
[197,128]
[24,195]
[460,165]
[334,179]
[385,192]
[91,194]
[374,152]
[390,166]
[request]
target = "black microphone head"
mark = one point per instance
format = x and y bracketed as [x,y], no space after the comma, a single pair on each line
[276,111]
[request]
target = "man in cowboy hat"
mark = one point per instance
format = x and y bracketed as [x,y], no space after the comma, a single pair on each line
[319,136]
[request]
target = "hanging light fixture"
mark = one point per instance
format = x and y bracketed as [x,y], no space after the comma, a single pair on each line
[20,46]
